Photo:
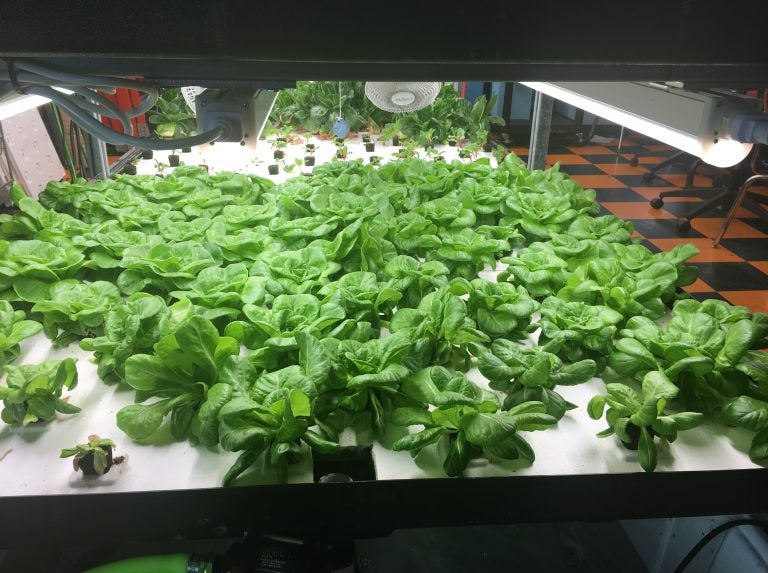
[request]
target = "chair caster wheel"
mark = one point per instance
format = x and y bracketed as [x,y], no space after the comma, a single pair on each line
[648,176]
[634,161]
[657,203]
[684,226]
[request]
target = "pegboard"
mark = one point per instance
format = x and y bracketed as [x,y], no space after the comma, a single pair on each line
[33,157]
[5,178]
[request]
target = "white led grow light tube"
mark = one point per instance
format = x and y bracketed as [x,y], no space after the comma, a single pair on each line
[17,104]
[685,120]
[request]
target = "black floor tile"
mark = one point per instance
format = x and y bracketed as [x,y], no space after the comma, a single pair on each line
[650,246]
[664,153]
[748,249]
[706,296]
[662,229]
[618,194]
[732,276]
[682,208]
[672,168]
[603,211]
[758,224]
[639,150]
[556,149]
[639,181]
[605,158]
[581,170]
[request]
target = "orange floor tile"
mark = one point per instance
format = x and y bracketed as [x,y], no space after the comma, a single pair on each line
[620,169]
[737,230]
[647,159]
[652,192]
[754,300]
[591,150]
[566,159]
[698,286]
[708,254]
[724,272]
[597,181]
[636,210]
[678,179]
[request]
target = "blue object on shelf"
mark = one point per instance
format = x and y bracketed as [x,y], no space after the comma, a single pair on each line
[340,128]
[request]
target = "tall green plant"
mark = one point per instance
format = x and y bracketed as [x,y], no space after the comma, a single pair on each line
[171,116]
[314,106]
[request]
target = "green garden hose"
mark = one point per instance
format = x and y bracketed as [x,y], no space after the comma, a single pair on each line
[178,563]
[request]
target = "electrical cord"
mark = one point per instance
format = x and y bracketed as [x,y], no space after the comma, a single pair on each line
[31,78]
[65,146]
[99,102]
[99,130]
[714,533]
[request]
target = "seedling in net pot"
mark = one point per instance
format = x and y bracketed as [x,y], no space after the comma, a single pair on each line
[391,132]
[481,138]
[289,167]
[93,458]
[459,135]
[160,168]
[408,150]
[499,153]
[636,419]
[469,151]
[433,153]
[427,139]
[130,169]
[342,152]
[278,145]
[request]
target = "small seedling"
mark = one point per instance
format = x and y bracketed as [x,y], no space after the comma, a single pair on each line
[289,167]
[93,458]
[160,167]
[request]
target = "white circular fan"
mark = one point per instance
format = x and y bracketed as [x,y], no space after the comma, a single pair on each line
[190,94]
[401,96]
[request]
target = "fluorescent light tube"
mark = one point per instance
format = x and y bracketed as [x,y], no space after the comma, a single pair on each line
[684,120]
[18,103]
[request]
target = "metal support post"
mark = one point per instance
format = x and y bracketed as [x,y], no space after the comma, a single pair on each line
[540,126]
[96,151]
[97,157]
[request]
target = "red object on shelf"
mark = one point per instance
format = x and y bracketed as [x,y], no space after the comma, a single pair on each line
[126,99]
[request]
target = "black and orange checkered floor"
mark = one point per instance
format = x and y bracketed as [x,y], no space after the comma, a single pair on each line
[736,271]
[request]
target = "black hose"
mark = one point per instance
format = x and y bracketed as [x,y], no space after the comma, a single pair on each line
[714,533]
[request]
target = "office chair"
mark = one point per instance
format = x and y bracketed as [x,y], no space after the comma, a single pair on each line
[720,194]
[752,201]
[650,175]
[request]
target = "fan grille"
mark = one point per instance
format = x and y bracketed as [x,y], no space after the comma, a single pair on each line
[401,96]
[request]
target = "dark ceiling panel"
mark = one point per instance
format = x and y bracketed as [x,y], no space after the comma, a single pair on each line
[595,31]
